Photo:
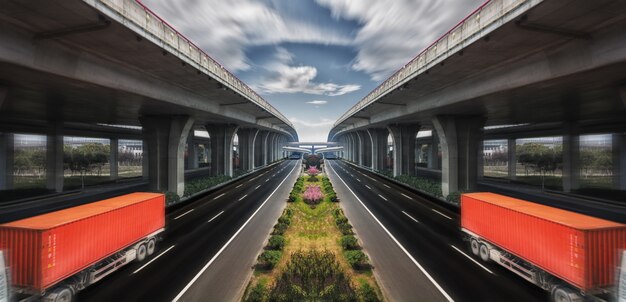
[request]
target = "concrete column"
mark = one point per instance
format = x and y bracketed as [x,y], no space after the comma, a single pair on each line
[7,158]
[54,158]
[113,158]
[433,152]
[512,158]
[247,139]
[360,145]
[460,139]
[260,149]
[379,147]
[619,160]
[571,158]
[404,137]
[192,151]
[165,138]
[222,136]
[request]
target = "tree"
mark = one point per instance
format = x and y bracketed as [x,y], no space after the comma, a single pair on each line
[540,158]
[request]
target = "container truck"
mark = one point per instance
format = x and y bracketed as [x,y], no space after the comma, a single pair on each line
[53,256]
[573,256]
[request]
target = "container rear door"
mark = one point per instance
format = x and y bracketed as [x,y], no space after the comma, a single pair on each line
[621,289]
[4,279]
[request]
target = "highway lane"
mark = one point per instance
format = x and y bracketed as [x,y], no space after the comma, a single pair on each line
[430,233]
[194,234]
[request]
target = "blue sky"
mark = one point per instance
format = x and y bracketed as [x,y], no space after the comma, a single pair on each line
[313,59]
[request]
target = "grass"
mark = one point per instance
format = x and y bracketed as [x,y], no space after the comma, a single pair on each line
[313,228]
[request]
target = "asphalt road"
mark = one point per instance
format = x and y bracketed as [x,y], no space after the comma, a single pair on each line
[430,234]
[194,235]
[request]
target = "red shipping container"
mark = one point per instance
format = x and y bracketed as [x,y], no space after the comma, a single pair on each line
[48,248]
[577,248]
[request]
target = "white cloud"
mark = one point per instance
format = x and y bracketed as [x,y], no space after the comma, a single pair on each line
[224,28]
[284,78]
[317,102]
[312,130]
[394,31]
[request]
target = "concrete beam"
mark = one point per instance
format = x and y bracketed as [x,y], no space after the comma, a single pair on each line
[222,136]
[460,138]
[7,152]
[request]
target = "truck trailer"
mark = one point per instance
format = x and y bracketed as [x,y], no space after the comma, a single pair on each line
[53,256]
[573,256]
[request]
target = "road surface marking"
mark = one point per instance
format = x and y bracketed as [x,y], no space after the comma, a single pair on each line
[220,213]
[358,180]
[257,187]
[405,213]
[218,196]
[183,214]
[368,187]
[155,258]
[470,258]
[409,197]
[238,186]
[267,180]
[383,197]
[442,214]
[242,197]
[441,290]
[186,288]
[387,186]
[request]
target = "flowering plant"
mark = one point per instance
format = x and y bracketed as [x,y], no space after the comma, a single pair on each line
[312,194]
[313,171]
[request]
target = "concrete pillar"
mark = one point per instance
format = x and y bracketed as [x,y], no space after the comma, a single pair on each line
[260,149]
[404,138]
[145,164]
[619,160]
[460,139]
[7,152]
[571,158]
[192,152]
[360,145]
[113,158]
[165,138]
[512,158]
[247,139]
[433,152]
[222,136]
[379,147]
[54,158]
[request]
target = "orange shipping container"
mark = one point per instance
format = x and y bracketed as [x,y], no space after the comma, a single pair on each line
[577,248]
[48,248]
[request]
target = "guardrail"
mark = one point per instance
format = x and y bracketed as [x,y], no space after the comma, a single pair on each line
[474,23]
[142,16]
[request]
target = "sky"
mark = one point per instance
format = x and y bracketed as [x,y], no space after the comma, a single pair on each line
[313,59]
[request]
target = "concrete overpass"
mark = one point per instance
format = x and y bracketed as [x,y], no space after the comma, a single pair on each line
[312,147]
[78,67]
[551,67]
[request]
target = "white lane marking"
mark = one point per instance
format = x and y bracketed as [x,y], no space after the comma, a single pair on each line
[407,214]
[442,214]
[155,258]
[186,288]
[257,187]
[441,290]
[470,258]
[383,197]
[358,180]
[267,180]
[218,196]
[183,214]
[409,197]
[242,197]
[368,187]
[220,213]
[238,186]
[387,186]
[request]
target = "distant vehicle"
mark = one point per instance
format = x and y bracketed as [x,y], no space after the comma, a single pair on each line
[571,255]
[53,256]
[295,156]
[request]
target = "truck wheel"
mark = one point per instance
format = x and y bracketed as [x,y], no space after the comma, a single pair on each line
[564,294]
[62,294]
[151,246]
[475,247]
[484,253]
[141,252]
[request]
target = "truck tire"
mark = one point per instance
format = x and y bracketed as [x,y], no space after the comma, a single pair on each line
[475,246]
[142,252]
[151,246]
[484,253]
[565,294]
[61,294]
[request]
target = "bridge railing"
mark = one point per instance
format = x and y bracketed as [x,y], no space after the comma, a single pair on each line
[452,41]
[143,17]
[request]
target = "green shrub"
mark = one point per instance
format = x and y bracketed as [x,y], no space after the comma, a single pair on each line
[332,197]
[345,229]
[431,187]
[288,212]
[284,219]
[269,259]
[337,213]
[349,242]
[367,293]
[196,185]
[357,259]
[293,196]
[454,197]
[341,220]
[259,293]
[171,197]
[279,229]
[276,242]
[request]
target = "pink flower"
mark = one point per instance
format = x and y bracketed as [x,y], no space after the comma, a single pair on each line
[312,194]
[313,171]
